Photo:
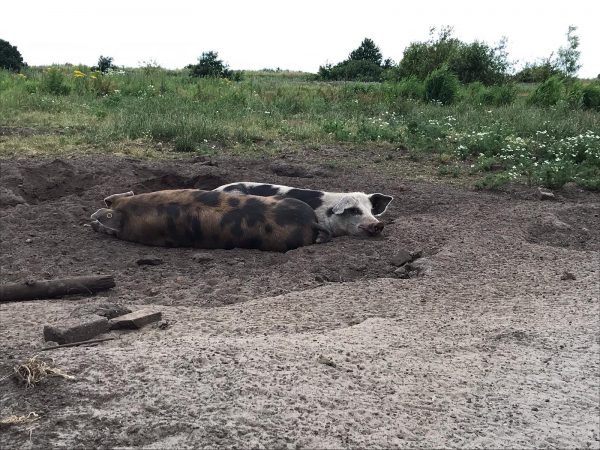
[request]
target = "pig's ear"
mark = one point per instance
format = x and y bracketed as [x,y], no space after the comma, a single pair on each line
[342,205]
[379,203]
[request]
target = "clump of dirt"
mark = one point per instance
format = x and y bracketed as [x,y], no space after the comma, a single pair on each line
[572,227]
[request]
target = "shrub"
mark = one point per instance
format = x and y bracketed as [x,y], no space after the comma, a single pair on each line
[591,96]
[441,85]
[499,95]
[479,62]
[493,181]
[353,70]
[536,72]
[53,82]
[547,93]
[411,88]
[10,57]
[105,64]
[210,66]
[476,61]
[363,64]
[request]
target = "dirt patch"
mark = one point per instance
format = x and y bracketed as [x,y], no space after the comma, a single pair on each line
[324,346]
[573,227]
[25,131]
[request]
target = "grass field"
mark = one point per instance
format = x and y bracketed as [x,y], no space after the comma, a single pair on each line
[157,113]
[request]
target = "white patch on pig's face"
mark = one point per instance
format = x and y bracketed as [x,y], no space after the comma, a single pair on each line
[353,214]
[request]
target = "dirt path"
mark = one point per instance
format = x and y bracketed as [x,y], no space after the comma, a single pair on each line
[321,347]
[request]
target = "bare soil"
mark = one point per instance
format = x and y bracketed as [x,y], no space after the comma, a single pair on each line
[487,344]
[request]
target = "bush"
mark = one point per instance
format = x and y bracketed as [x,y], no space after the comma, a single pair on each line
[10,57]
[536,72]
[476,61]
[492,182]
[352,70]
[591,96]
[105,64]
[53,82]
[441,85]
[499,95]
[209,66]
[411,88]
[363,64]
[479,62]
[547,93]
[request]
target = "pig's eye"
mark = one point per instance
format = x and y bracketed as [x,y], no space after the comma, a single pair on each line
[352,211]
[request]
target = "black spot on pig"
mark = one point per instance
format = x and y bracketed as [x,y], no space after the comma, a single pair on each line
[264,190]
[268,228]
[293,212]
[252,213]
[254,242]
[209,198]
[171,226]
[196,229]
[295,239]
[233,201]
[171,210]
[311,198]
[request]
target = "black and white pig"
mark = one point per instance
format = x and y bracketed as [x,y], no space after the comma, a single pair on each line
[341,213]
[209,219]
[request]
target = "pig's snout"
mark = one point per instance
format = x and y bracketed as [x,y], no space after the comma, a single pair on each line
[373,228]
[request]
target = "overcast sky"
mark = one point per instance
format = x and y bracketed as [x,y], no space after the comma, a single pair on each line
[294,35]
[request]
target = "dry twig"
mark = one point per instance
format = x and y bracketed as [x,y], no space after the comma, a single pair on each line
[35,369]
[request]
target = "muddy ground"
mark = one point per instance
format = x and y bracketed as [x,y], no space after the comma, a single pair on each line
[489,345]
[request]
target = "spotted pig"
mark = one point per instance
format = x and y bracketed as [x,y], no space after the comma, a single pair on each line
[209,219]
[341,213]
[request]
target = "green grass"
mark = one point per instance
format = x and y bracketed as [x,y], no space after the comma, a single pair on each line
[168,112]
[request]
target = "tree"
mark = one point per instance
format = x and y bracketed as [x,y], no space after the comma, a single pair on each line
[10,57]
[105,63]
[568,57]
[210,66]
[367,51]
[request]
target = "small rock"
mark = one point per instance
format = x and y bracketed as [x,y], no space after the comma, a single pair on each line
[401,258]
[402,272]
[327,361]
[545,194]
[50,344]
[149,261]
[567,276]
[76,329]
[535,408]
[135,320]
[28,240]
[9,198]
[202,257]
[164,324]
[416,254]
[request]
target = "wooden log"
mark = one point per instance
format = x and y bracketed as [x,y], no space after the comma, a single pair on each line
[32,290]
[75,344]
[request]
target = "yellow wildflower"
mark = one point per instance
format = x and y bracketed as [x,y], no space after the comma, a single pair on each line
[78,74]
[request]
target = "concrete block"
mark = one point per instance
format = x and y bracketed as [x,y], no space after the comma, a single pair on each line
[76,329]
[135,320]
